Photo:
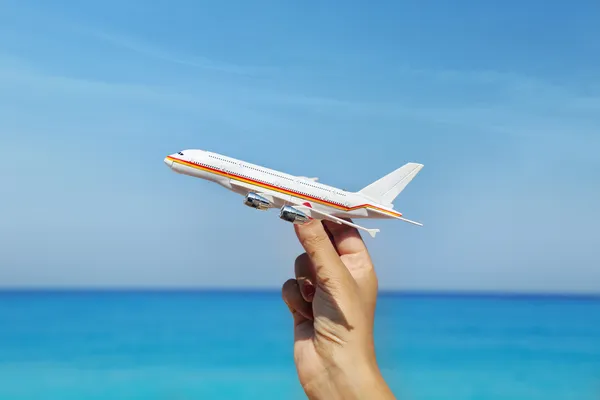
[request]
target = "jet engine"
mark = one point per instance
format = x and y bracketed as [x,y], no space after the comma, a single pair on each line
[290,214]
[255,201]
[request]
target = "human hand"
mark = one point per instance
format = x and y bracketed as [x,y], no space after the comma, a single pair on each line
[333,301]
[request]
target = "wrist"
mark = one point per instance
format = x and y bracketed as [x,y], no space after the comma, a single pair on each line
[352,381]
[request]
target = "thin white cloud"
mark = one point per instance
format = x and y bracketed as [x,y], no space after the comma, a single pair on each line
[230,105]
[238,103]
[61,22]
[150,50]
[519,103]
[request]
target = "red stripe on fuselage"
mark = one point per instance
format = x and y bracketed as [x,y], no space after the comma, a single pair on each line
[278,188]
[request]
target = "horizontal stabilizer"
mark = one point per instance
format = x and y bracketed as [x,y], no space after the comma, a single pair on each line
[387,188]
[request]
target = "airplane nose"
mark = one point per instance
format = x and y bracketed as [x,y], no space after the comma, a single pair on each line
[168,161]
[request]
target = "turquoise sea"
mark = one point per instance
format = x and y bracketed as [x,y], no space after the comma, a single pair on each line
[238,345]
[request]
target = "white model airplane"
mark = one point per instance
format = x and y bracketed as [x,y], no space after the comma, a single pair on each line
[299,198]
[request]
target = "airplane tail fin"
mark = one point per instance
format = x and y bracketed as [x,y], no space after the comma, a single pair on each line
[387,188]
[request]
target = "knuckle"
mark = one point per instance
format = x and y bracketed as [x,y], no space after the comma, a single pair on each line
[288,286]
[301,260]
[314,239]
[314,243]
[328,282]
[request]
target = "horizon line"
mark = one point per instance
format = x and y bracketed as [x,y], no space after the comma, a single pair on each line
[271,290]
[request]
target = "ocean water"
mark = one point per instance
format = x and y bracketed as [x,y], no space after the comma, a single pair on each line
[238,345]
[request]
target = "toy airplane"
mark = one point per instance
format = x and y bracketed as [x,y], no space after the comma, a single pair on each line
[299,198]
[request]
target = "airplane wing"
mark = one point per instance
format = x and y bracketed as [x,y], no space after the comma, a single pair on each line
[409,221]
[310,179]
[311,212]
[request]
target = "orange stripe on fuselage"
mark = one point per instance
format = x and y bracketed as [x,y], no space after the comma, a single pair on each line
[278,188]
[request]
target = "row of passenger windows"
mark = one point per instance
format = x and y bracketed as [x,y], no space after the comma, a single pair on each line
[279,176]
[202,164]
[222,159]
[286,188]
[315,186]
[270,183]
[267,172]
[289,179]
[322,188]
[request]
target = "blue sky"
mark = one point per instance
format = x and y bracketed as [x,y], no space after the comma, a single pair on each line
[500,101]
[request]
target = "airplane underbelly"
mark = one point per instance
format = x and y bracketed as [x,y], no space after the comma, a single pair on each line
[195,172]
[283,199]
[206,175]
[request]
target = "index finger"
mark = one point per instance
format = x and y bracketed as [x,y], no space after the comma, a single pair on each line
[354,253]
[346,238]
[329,268]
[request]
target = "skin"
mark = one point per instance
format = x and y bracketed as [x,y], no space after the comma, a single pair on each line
[332,301]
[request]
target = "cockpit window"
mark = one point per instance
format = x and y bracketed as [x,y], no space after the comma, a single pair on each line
[180,153]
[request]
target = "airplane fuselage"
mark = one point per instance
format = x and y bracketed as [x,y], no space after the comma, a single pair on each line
[266,188]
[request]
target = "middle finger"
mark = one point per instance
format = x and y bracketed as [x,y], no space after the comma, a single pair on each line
[306,276]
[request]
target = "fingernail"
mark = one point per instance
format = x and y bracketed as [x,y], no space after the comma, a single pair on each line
[308,290]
